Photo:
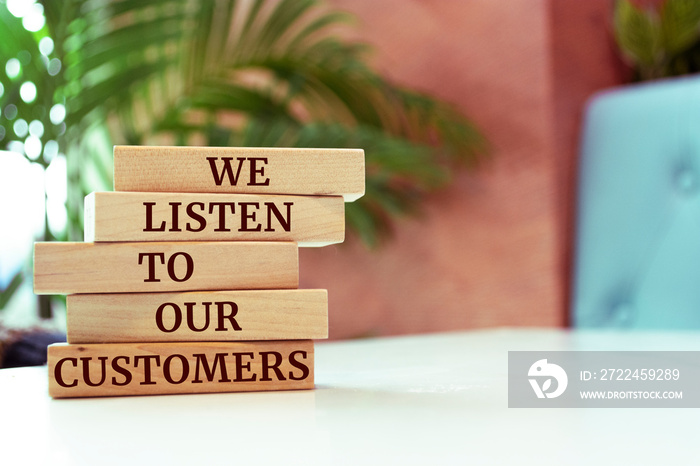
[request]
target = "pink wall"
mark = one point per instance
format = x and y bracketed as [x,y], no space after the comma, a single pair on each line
[492,249]
[584,60]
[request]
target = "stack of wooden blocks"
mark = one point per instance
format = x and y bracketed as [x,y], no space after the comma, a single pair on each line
[187,279]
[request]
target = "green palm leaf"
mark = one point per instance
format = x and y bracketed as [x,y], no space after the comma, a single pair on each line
[224,72]
[659,42]
[245,73]
[638,33]
[680,24]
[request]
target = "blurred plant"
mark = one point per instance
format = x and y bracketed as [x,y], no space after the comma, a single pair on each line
[661,41]
[221,73]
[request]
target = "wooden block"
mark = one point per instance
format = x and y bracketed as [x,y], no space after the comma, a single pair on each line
[63,268]
[129,216]
[115,369]
[335,172]
[198,316]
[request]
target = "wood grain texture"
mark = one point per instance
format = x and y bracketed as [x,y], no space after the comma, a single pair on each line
[197,316]
[64,268]
[256,170]
[116,369]
[131,216]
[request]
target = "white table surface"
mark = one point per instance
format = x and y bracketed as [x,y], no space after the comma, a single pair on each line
[431,399]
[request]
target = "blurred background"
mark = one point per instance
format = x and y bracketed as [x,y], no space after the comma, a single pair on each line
[469,112]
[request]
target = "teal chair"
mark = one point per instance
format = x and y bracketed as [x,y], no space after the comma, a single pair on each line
[637,249]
